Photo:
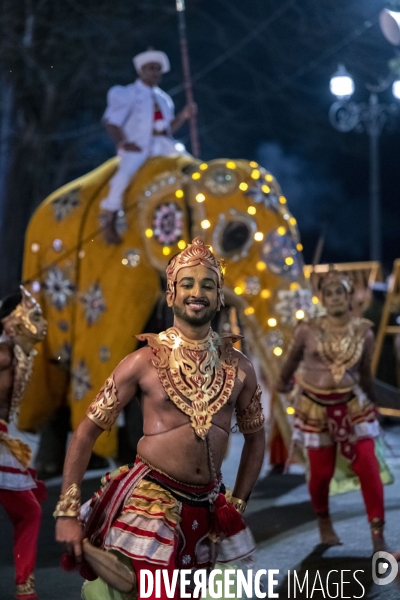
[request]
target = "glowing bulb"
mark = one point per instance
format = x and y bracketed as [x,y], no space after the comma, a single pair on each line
[307,274]
[196,175]
[166,251]
[272,322]
[148,233]
[238,290]
[300,314]
[294,286]
[299,247]
[266,189]
[124,261]
[314,300]
[289,260]
[231,165]
[252,210]
[281,230]
[179,193]
[269,177]
[253,164]
[258,236]
[278,351]
[249,310]
[290,410]
[292,221]
[265,294]
[342,84]
[200,197]
[282,199]
[255,174]
[243,186]
[35,247]
[205,224]
[261,266]
[181,244]
[203,166]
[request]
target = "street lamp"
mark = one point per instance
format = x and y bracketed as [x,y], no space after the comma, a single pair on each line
[346,115]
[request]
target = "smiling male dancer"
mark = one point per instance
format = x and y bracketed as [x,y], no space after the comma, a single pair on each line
[169,510]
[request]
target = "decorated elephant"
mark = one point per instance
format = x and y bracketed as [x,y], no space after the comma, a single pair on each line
[96,297]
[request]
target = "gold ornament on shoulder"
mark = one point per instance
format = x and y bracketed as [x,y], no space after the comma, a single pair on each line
[104,409]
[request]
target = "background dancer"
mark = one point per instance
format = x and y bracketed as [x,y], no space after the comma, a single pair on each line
[334,408]
[21,326]
[169,509]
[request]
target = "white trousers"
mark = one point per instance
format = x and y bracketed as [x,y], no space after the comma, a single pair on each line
[131,162]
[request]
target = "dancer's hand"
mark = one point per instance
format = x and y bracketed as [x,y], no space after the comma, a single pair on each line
[69,532]
[188,111]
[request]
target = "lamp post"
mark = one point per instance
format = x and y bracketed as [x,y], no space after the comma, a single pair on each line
[370,117]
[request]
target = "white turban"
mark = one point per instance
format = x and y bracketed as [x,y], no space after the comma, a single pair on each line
[151,56]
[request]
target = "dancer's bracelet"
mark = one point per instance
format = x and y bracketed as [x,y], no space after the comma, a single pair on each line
[69,503]
[239,504]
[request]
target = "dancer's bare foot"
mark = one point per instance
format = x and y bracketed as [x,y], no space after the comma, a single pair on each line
[327,533]
[378,541]
[108,220]
[379,545]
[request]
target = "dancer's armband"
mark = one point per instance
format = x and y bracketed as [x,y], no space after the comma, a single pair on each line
[69,503]
[104,409]
[252,418]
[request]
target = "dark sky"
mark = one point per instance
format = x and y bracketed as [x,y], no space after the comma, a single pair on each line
[261,72]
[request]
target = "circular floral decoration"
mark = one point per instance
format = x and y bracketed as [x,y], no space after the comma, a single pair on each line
[280,254]
[168,223]
[220,180]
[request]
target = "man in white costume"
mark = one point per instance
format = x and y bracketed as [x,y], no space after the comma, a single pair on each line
[140,119]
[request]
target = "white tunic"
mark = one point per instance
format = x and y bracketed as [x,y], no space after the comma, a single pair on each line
[131,108]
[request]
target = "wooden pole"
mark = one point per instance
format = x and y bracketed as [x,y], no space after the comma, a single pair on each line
[187,80]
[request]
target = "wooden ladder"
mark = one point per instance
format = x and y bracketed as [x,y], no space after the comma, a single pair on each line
[384,328]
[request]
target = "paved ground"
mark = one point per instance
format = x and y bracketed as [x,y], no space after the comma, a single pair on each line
[281,518]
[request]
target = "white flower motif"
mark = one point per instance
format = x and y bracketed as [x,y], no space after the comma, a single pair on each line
[195,524]
[81,382]
[104,353]
[186,559]
[93,303]
[65,203]
[58,287]
[259,195]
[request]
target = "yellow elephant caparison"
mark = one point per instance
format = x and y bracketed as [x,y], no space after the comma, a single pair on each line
[97,297]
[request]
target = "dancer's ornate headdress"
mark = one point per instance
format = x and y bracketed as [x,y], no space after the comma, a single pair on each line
[196,253]
[338,277]
[22,313]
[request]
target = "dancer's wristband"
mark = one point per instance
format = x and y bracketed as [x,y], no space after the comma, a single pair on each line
[239,504]
[69,503]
